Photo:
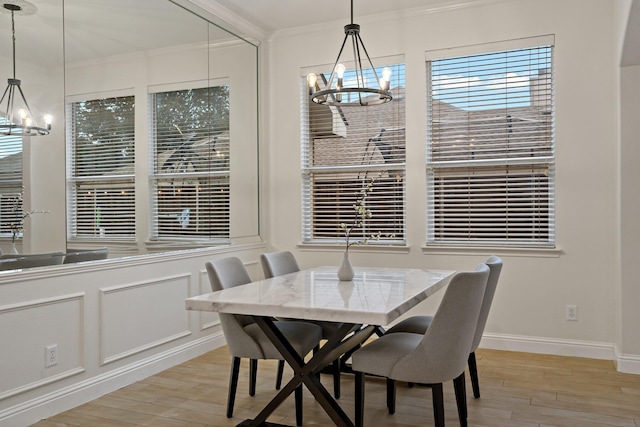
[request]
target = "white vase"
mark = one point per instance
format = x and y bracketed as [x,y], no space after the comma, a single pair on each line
[345,272]
[14,250]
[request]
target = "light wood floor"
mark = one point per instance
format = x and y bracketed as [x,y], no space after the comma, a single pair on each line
[518,390]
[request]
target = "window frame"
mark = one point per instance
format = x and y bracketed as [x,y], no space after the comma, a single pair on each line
[314,234]
[11,186]
[156,177]
[125,183]
[546,163]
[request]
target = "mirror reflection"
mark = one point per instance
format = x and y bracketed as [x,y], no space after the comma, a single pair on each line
[154,138]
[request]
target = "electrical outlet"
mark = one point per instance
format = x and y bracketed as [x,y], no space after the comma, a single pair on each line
[572,312]
[51,355]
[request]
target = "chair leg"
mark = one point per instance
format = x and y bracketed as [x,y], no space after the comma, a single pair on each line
[461,398]
[359,399]
[280,373]
[233,385]
[391,395]
[336,378]
[253,373]
[438,404]
[473,372]
[298,398]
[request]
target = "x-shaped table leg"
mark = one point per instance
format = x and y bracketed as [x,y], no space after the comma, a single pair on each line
[305,373]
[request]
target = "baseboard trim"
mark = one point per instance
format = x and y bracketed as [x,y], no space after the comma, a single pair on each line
[628,363]
[32,411]
[589,349]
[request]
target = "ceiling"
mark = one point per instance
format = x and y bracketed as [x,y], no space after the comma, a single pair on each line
[99,28]
[276,15]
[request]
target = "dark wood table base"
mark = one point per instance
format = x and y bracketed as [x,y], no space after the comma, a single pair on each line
[307,373]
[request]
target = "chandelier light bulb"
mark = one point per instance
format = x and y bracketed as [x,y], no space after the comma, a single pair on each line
[48,119]
[386,76]
[340,84]
[311,82]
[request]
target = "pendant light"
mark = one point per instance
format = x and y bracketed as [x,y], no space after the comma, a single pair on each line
[357,93]
[16,117]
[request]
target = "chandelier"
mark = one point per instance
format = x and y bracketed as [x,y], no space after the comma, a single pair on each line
[357,93]
[15,114]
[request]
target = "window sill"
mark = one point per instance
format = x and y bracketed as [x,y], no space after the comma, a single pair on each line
[155,246]
[339,247]
[493,250]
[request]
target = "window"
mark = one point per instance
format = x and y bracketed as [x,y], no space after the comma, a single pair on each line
[101,161]
[342,149]
[490,148]
[10,182]
[190,179]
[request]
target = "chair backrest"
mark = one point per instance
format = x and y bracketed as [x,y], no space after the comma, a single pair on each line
[225,273]
[495,267]
[443,352]
[278,263]
[79,255]
[12,262]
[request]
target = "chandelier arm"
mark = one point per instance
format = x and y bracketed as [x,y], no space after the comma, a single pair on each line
[369,59]
[12,91]
[26,104]
[358,66]
[333,70]
[3,96]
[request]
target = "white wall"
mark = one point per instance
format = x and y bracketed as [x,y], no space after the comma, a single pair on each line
[529,307]
[630,212]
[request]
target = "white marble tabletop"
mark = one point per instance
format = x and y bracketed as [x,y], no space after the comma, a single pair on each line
[376,296]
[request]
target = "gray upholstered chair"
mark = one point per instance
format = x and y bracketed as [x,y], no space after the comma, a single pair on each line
[19,261]
[420,324]
[437,356]
[244,336]
[79,255]
[279,263]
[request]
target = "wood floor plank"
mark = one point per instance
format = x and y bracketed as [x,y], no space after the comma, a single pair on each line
[517,389]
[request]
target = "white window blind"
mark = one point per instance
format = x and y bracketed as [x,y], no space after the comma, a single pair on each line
[10,182]
[342,149]
[490,149]
[190,182]
[101,161]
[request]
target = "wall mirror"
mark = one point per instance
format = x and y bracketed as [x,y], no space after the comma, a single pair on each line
[154,143]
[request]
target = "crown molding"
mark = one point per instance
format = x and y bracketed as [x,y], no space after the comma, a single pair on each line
[231,21]
[443,6]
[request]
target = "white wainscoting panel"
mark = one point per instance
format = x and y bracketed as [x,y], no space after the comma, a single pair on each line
[52,321]
[155,307]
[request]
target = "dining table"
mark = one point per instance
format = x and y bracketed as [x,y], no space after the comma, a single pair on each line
[376,297]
